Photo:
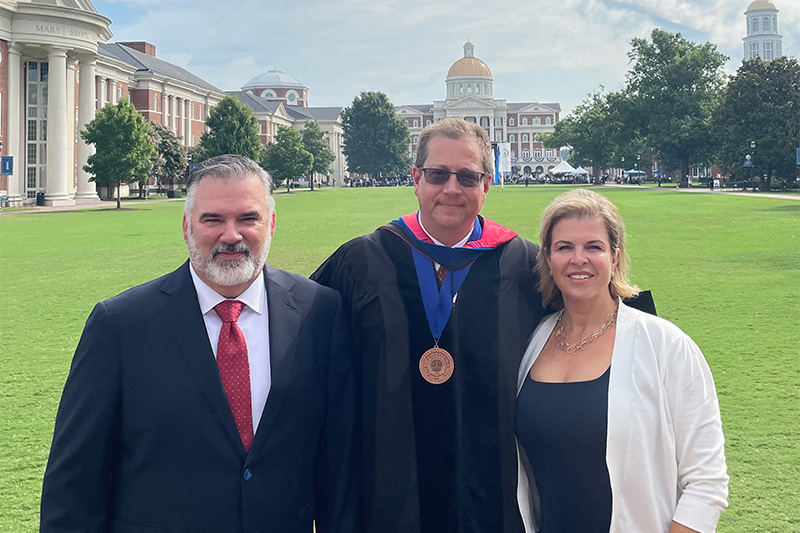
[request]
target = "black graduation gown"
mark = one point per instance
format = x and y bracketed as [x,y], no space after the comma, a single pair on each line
[437,458]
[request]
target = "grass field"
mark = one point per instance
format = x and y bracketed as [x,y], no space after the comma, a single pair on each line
[723,268]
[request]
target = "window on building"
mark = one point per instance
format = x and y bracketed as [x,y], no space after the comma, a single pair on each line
[414,139]
[512,138]
[498,136]
[774,24]
[155,103]
[415,124]
[119,93]
[460,89]
[428,122]
[260,129]
[485,122]
[753,50]
[537,121]
[510,121]
[755,24]
[477,88]
[524,137]
[765,24]
[498,121]
[524,121]
[548,121]
[469,88]
[768,51]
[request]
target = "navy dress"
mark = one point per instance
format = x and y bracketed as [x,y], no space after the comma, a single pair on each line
[562,427]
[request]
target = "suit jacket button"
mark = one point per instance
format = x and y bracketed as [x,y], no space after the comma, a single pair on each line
[247,474]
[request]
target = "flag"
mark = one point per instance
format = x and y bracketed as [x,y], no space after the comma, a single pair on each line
[505,157]
[496,177]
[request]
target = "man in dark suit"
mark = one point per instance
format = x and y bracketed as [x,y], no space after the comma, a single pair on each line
[234,412]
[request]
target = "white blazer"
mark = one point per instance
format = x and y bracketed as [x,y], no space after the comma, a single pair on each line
[665,449]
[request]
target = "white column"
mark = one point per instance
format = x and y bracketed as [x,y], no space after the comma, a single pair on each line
[87,190]
[164,106]
[72,65]
[114,97]
[188,127]
[98,89]
[171,106]
[57,138]
[16,181]
[179,116]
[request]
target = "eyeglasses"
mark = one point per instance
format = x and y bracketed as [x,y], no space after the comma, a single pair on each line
[440,176]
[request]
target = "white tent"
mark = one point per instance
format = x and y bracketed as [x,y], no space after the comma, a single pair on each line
[581,170]
[562,168]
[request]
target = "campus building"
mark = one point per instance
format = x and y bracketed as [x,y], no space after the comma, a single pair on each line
[469,94]
[762,38]
[56,70]
[281,100]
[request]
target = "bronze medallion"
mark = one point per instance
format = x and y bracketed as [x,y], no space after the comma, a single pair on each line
[436,365]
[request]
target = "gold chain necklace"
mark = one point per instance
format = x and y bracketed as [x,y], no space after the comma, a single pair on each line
[586,341]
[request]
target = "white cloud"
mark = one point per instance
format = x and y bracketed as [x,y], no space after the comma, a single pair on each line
[537,49]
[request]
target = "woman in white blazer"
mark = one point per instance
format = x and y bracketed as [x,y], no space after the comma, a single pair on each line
[618,422]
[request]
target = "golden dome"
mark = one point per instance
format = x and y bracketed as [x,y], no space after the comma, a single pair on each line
[469,66]
[761,4]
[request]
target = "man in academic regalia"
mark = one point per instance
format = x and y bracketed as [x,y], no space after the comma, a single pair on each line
[441,304]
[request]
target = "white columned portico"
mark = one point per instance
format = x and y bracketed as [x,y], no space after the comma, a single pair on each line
[57,138]
[87,190]
[14,147]
[188,126]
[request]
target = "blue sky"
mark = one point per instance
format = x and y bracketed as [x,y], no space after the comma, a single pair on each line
[537,50]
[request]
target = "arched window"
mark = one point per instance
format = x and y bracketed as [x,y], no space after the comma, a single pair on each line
[537,121]
[416,123]
[460,88]
[548,121]
[414,139]
[524,137]
[469,88]
[510,121]
[155,103]
[755,24]
[512,138]
[477,88]
[498,121]
[775,24]
[428,122]
[765,24]
[524,121]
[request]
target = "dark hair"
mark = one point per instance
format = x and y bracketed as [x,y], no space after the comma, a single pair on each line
[224,167]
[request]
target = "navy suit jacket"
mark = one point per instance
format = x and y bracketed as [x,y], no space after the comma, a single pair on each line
[145,440]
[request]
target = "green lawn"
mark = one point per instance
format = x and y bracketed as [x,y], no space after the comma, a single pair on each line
[724,268]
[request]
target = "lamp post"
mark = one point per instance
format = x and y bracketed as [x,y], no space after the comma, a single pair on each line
[623,168]
[636,168]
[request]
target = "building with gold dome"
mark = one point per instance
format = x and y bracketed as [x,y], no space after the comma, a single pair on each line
[469,94]
[762,37]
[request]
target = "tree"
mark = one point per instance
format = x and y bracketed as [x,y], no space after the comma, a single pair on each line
[124,152]
[314,143]
[232,129]
[591,131]
[171,162]
[286,157]
[672,88]
[375,139]
[761,103]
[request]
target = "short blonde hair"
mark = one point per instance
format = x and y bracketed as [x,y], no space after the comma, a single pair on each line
[457,128]
[580,204]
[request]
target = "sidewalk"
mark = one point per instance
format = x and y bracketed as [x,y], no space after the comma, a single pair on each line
[715,191]
[106,204]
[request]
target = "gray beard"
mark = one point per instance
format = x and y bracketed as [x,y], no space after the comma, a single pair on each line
[227,273]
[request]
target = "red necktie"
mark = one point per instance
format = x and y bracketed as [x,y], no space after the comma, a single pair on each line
[234,368]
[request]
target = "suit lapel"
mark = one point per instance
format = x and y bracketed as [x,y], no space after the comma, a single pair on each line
[182,316]
[284,311]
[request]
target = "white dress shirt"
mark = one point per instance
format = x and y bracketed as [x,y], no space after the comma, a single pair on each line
[254,323]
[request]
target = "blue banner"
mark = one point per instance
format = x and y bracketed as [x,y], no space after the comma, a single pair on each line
[7,165]
[798,156]
[496,179]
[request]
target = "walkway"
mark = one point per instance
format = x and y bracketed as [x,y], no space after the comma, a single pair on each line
[107,204]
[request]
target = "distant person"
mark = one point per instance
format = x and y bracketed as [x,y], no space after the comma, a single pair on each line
[617,411]
[442,302]
[234,412]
